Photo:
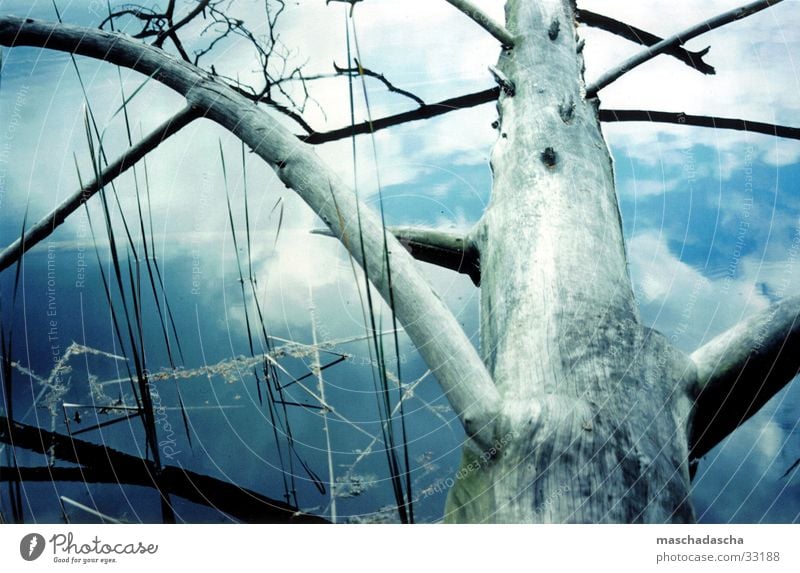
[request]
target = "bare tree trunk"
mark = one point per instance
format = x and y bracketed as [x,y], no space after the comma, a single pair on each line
[595,405]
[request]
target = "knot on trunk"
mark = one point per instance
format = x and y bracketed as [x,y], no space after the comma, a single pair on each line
[566,110]
[552,31]
[549,157]
[502,80]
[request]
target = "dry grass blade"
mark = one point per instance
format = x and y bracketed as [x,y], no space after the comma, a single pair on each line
[404,498]
[317,369]
[86,509]
[137,349]
[6,379]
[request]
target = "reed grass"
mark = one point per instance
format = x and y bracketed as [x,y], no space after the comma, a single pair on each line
[132,276]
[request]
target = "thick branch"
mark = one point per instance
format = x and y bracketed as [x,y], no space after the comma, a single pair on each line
[691,59]
[428,322]
[614,115]
[483,20]
[449,250]
[48,224]
[741,369]
[423,112]
[677,39]
[106,465]
[453,251]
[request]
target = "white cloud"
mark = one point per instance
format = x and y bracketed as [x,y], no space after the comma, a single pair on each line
[782,153]
[640,187]
[680,301]
[771,440]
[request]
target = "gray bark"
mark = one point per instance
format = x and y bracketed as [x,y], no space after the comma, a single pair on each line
[594,403]
[454,251]
[740,370]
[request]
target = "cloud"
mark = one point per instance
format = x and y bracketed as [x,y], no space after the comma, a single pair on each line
[741,480]
[640,187]
[682,303]
[782,153]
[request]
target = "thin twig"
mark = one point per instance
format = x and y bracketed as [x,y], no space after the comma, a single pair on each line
[317,369]
[407,393]
[359,69]
[201,6]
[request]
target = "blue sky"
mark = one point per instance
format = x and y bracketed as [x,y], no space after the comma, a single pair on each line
[709,216]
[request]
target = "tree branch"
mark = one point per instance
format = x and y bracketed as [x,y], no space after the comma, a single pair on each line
[680,38]
[428,322]
[639,36]
[740,370]
[361,70]
[426,111]
[106,465]
[483,20]
[607,115]
[453,251]
[267,99]
[48,224]
[614,115]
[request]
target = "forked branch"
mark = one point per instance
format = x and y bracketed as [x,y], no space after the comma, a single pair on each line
[639,36]
[679,38]
[358,69]
[741,369]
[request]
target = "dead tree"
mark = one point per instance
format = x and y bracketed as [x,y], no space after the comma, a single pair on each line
[574,410]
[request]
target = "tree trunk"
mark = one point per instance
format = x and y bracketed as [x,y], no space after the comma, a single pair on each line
[596,411]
